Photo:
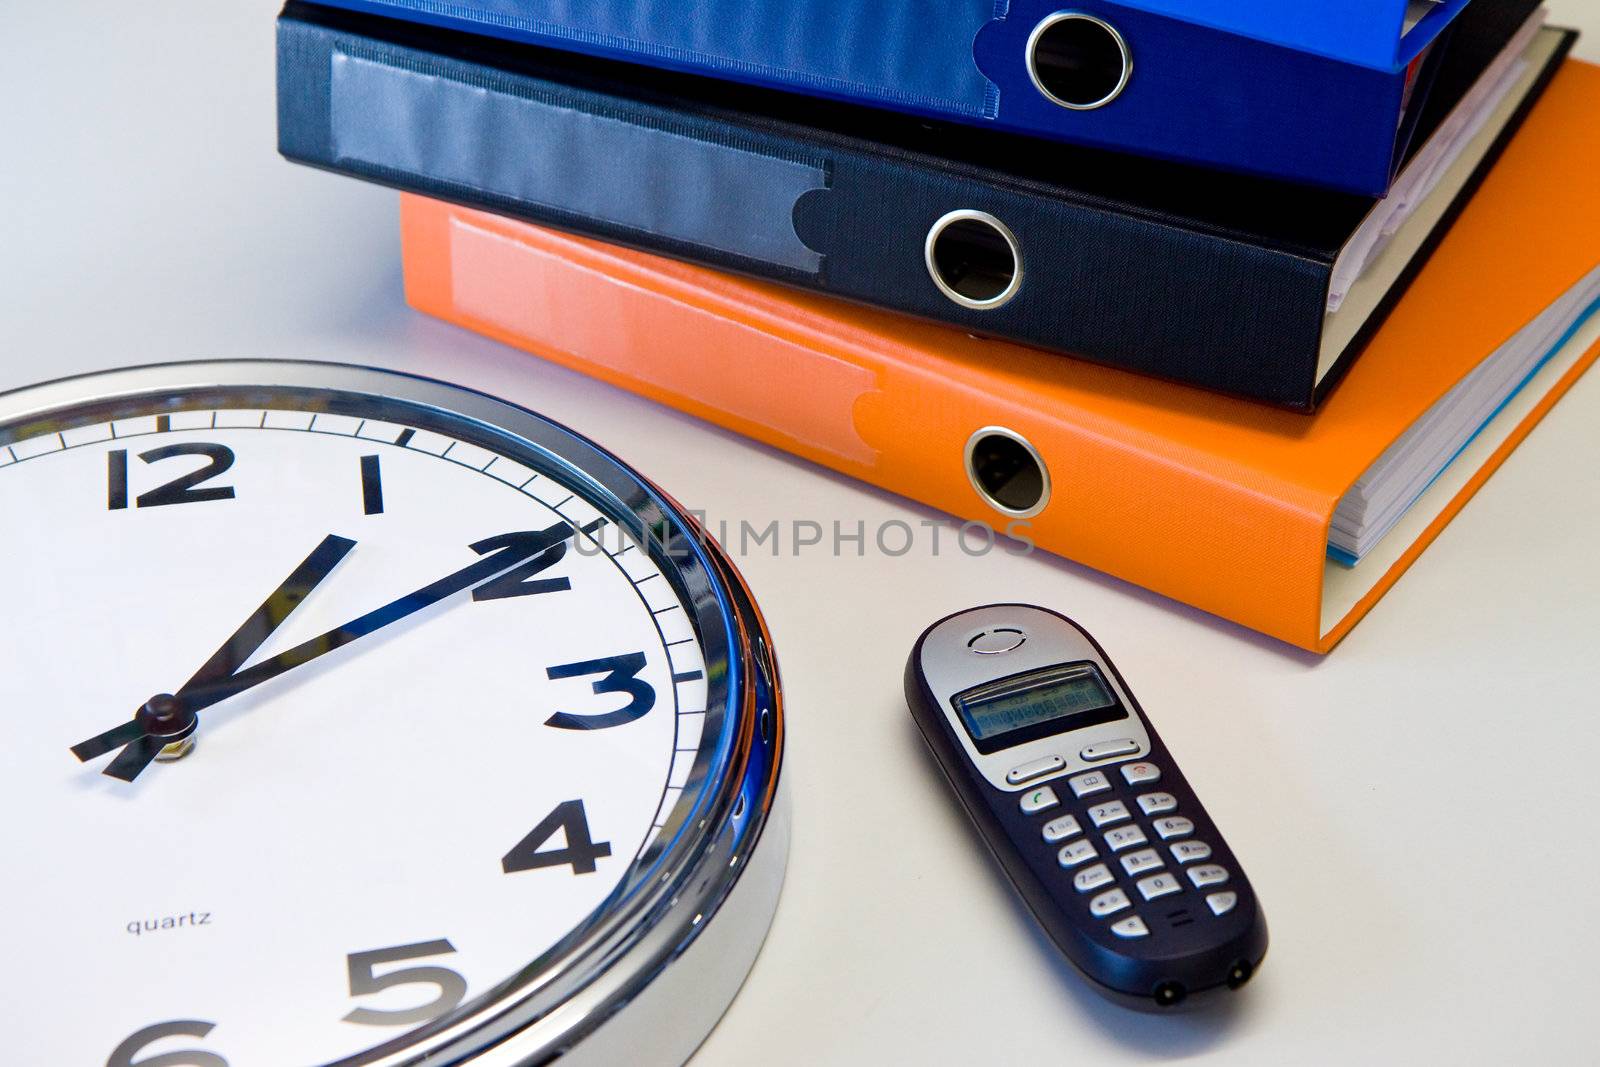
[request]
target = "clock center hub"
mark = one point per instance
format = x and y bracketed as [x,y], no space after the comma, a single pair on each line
[166,717]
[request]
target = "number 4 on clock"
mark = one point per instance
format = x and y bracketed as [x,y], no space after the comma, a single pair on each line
[580,852]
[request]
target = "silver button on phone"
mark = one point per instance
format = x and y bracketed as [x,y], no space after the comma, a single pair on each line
[1191,851]
[1080,851]
[1124,837]
[1173,826]
[1146,859]
[1108,903]
[1132,926]
[1100,750]
[1035,769]
[1158,885]
[1222,903]
[1109,812]
[1207,874]
[1092,878]
[1156,803]
[1087,785]
[1035,800]
[1141,773]
[1062,828]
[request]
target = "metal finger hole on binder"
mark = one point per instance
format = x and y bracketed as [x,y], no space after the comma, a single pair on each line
[1078,61]
[974,259]
[1007,471]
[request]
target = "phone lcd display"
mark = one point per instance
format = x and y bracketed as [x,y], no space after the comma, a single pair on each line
[1055,695]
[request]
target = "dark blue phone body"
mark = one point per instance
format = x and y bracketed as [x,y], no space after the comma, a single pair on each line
[1083,806]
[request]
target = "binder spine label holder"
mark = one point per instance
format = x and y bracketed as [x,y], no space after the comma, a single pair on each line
[454,130]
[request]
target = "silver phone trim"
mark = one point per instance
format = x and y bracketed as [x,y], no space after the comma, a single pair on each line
[950,667]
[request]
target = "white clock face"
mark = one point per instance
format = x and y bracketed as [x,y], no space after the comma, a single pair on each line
[390,807]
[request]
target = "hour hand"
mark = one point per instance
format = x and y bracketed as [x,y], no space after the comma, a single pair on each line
[270,615]
[166,719]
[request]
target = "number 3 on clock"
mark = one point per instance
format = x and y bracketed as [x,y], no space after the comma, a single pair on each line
[621,675]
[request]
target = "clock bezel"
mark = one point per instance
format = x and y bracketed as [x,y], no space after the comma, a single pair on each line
[690,869]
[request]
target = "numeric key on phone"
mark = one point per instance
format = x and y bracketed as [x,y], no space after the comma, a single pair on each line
[1109,812]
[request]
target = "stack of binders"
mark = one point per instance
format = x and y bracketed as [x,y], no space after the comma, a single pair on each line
[950,247]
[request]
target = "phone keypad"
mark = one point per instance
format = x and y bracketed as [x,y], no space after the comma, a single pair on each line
[1158,858]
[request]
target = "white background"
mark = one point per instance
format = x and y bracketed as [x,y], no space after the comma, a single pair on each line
[1416,811]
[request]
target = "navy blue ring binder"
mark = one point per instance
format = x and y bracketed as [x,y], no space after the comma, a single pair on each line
[1213,279]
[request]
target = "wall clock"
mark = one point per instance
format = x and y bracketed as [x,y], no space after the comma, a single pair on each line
[363,719]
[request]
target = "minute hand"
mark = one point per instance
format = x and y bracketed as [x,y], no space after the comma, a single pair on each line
[503,553]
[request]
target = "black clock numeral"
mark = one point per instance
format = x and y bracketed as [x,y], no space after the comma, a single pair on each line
[580,852]
[520,580]
[185,490]
[181,490]
[621,675]
[122,1055]
[364,980]
[116,479]
[371,486]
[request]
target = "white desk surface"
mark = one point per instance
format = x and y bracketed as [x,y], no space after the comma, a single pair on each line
[1417,811]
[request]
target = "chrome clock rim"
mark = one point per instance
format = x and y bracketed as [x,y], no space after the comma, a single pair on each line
[685,878]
